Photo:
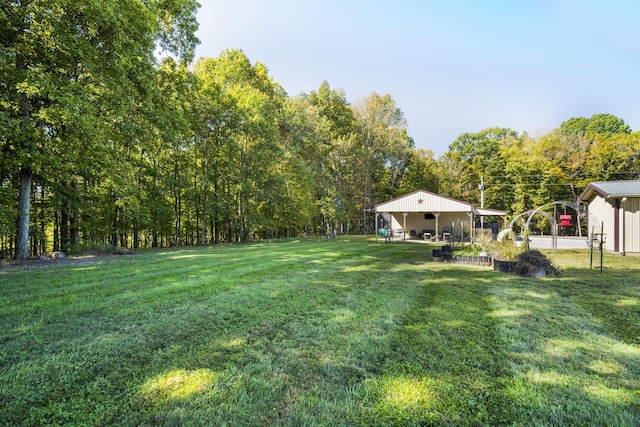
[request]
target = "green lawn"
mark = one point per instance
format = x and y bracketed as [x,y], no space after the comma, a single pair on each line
[346,331]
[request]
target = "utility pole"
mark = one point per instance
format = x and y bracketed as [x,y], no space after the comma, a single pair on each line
[481,188]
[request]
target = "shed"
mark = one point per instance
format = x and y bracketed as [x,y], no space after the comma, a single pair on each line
[430,216]
[615,207]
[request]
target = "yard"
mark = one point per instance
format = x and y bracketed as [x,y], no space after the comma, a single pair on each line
[345,331]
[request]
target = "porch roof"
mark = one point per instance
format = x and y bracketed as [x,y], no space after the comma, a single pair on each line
[427,202]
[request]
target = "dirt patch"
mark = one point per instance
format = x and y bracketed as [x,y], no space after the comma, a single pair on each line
[53,262]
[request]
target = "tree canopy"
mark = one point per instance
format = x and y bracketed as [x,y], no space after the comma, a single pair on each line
[598,124]
[72,70]
[111,135]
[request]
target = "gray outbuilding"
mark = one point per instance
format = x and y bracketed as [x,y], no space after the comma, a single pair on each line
[614,207]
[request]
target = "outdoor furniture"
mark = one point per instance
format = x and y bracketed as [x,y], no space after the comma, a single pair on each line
[428,237]
[447,253]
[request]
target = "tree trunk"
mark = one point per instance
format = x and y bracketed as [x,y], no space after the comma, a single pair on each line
[75,218]
[367,191]
[42,247]
[229,219]
[26,174]
[24,206]
[216,212]
[64,221]
[205,190]
[203,234]
[114,228]
[177,208]
[56,235]
[244,204]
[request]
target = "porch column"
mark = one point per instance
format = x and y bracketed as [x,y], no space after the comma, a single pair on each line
[622,249]
[437,214]
[470,228]
[616,225]
[404,225]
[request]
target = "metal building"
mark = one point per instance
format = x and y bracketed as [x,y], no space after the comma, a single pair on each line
[430,216]
[614,207]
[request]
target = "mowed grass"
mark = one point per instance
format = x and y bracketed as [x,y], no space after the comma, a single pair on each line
[347,331]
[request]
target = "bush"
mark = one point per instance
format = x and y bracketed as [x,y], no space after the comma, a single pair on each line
[532,263]
[506,250]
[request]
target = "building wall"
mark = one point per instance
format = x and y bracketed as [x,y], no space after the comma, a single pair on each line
[602,212]
[631,220]
[424,202]
[447,222]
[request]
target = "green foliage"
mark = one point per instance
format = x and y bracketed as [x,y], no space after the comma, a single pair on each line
[598,124]
[615,157]
[421,173]
[333,161]
[474,156]
[238,143]
[507,249]
[67,93]
[382,143]
[138,149]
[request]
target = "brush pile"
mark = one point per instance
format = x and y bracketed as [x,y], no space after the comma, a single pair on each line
[534,264]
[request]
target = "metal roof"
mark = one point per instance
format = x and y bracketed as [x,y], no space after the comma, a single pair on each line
[610,190]
[490,212]
[425,201]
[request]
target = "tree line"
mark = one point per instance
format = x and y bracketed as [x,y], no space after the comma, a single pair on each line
[522,172]
[112,136]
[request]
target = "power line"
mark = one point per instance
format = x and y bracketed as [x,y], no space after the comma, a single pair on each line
[542,184]
[629,173]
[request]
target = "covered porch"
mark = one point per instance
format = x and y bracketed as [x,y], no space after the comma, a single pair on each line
[429,217]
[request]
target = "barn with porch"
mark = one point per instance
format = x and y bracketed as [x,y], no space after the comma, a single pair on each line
[431,217]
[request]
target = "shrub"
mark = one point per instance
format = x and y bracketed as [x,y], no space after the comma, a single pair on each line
[506,250]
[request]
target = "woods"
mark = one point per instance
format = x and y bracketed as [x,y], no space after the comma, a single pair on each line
[111,135]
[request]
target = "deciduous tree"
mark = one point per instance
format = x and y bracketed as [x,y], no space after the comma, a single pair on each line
[381,141]
[59,58]
[421,173]
[474,156]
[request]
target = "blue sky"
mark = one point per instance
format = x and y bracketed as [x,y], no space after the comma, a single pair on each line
[452,66]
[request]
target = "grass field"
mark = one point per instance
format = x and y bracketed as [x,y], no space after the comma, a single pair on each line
[346,331]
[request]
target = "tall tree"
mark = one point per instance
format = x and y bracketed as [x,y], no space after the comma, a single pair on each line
[525,176]
[174,86]
[329,153]
[55,54]
[597,124]
[474,156]
[382,141]
[239,138]
[421,173]
[564,156]
[303,131]
[614,157]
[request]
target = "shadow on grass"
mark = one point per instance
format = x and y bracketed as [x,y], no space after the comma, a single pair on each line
[568,368]
[324,332]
